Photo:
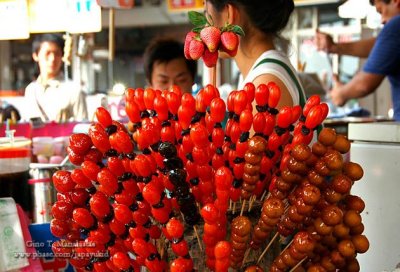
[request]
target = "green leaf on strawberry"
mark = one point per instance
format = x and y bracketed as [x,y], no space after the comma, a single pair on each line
[238,30]
[197,29]
[198,19]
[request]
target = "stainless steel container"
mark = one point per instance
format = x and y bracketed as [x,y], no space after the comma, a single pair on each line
[43,192]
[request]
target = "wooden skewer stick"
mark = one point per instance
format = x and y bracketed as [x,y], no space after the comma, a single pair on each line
[198,238]
[243,204]
[214,75]
[246,254]
[287,246]
[263,195]
[252,200]
[234,208]
[268,246]
[297,265]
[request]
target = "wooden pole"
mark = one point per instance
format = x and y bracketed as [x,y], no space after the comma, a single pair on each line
[111,47]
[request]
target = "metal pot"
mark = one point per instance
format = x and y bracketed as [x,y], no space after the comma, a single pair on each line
[43,192]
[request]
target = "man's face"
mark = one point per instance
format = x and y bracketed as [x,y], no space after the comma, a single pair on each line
[387,10]
[49,59]
[174,72]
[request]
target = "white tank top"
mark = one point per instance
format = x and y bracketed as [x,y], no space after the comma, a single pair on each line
[275,63]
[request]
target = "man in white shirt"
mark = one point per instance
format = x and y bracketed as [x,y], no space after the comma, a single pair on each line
[51,97]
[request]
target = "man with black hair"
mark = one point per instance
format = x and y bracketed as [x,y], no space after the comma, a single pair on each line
[51,97]
[383,58]
[165,65]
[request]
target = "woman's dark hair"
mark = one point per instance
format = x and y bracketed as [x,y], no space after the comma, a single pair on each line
[372,2]
[48,37]
[270,16]
[164,50]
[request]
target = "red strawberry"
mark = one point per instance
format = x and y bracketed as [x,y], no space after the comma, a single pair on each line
[211,36]
[188,39]
[196,49]
[231,53]
[229,40]
[210,58]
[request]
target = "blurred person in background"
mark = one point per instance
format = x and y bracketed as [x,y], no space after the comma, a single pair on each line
[51,96]
[165,65]
[383,58]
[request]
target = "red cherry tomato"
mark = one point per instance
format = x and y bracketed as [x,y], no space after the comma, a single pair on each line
[259,122]
[235,132]
[129,94]
[103,116]
[83,217]
[179,265]
[238,170]
[250,90]
[296,113]
[231,100]
[261,95]
[325,110]
[122,213]
[311,102]
[201,105]
[173,102]
[210,92]
[240,102]
[141,247]
[210,213]
[241,148]
[175,228]
[152,193]
[284,117]
[199,135]
[80,179]
[62,210]
[245,120]
[188,101]
[313,118]
[235,193]
[99,137]
[222,250]
[168,134]
[269,124]
[121,261]
[115,165]
[138,98]
[121,142]
[223,178]
[148,97]
[63,182]
[181,248]
[274,94]
[217,109]
[161,107]
[274,142]
[133,111]
[80,143]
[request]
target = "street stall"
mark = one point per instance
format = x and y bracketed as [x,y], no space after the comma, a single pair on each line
[155,181]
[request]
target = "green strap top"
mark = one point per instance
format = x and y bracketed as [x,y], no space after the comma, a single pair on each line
[290,73]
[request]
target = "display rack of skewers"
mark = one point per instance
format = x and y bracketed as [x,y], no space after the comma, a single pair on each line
[266,192]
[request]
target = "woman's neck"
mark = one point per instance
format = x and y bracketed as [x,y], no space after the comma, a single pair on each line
[250,50]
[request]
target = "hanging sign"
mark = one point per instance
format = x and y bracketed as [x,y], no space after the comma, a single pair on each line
[84,16]
[14,22]
[47,16]
[75,16]
[184,5]
[121,4]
